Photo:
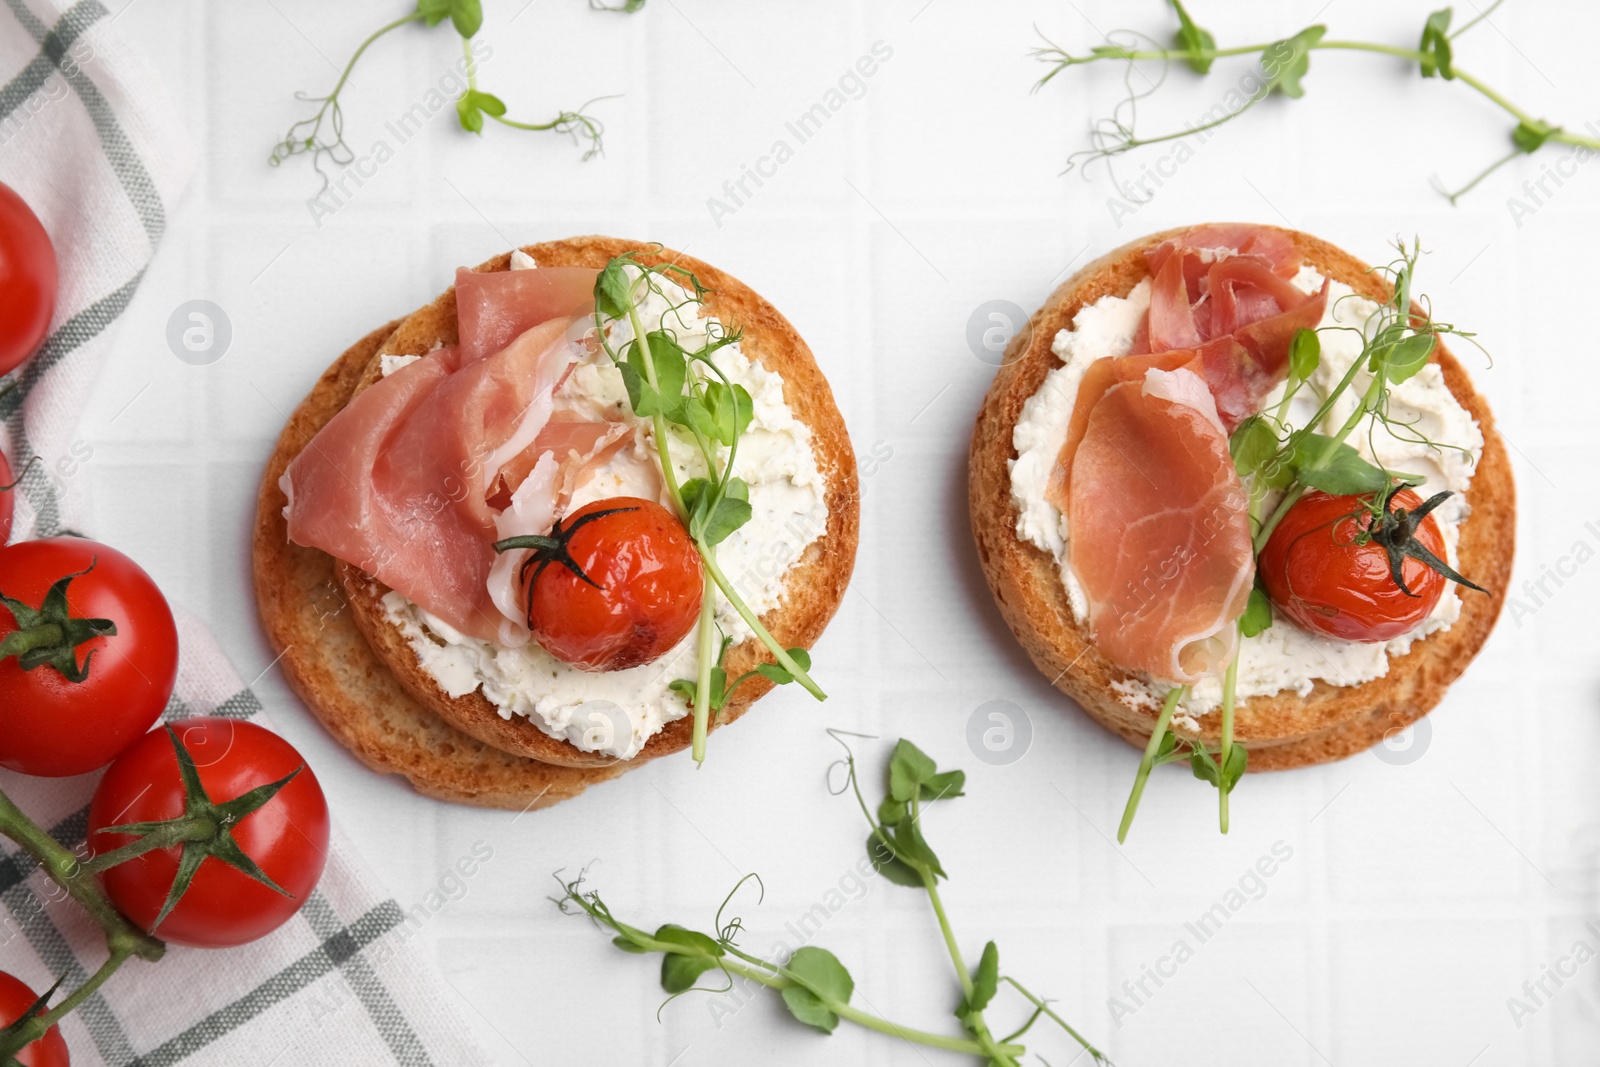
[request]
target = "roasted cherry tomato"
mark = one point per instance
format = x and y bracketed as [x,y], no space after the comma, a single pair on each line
[1329,569]
[286,836]
[8,499]
[88,655]
[15,999]
[28,278]
[616,584]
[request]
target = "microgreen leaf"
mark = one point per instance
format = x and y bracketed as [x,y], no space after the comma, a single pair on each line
[944,786]
[1435,46]
[1285,62]
[613,293]
[822,972]
[910,845]
[1343,472]
[1253,445]
[628,946]
[892,867]
[667,360]
[1238,757]
[1531,136]
[730,410]
[1191,38]
[1205,768]
[466,16]
[1257,615]
[891,811]
[678,970]
[730,513]
[1408,357]
[433,12]
[468,113]
[909,767]
[1305,353]
[680,973]
[1168,751]
[985,983]
[777,675]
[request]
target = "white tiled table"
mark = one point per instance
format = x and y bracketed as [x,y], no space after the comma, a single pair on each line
[1417,898]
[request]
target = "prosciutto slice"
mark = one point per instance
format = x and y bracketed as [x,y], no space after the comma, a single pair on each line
[495,307]
[1157,542]
[1158,519]
[418,476]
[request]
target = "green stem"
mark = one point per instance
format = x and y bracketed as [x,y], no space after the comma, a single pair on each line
[348,67]
[1230,686]
[781,654]
[980,1028]
[1148,761]
[37,1027]
[775,977]
[1411,54]
[1363,409]
[1044,1006]
[17,642]
[708,659]
[66,870]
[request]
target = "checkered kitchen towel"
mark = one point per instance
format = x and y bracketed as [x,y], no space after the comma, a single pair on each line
[92,143]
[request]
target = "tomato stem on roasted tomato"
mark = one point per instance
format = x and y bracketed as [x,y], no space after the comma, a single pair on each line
[1395,529]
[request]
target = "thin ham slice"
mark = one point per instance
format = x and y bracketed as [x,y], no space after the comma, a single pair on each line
[1160,535]
[395,483]
[495,307]
[1159,521]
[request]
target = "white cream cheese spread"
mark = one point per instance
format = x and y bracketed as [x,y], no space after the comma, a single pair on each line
[1282,657]
[616,712]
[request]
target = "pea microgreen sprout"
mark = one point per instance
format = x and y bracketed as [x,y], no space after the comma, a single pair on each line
[322,135]
[1275,457]
[814,985]
[682,391]
[1283,64]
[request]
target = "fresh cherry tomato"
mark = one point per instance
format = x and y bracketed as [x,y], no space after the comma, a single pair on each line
[287,837]
[15,999]
[8,501]
[618,584]
[1325,570]
[28,278]
[51,724]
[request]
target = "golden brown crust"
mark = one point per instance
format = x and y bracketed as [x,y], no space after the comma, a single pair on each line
[304,609]
[815,585]
[1282,730]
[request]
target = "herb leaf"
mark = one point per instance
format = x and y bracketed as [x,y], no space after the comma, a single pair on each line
[1285,62]
[1435,46]
[891,866]
[822,971]
[1305,353]
[612,291]
[433,12]
[985,983]
[1257,615]
[1191,38]
[467,17]
[1343,473]
[678,971]
[909,768]
[910,845]
[1531,136]
[1408,357]
[668,362]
